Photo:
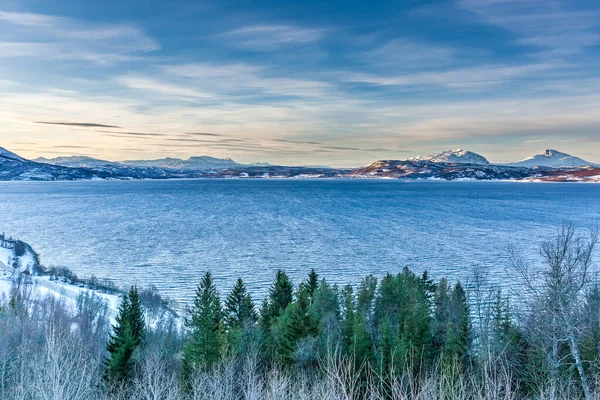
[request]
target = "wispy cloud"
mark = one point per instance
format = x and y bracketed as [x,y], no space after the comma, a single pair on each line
[120,133]
[200,134]
[272,37]
[78,124]
[169,89]
[245,79]
[406,53]
[550,25]
[57,38]
[483,76]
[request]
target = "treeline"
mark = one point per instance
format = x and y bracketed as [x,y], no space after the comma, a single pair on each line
[402,336]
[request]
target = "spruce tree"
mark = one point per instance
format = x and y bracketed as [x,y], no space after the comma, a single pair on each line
[296,323]
[312,284]
[136,316]
[348,320]
[239,307]
[204,341]
[128,333]
[441,315]
[458,332]
[280,294]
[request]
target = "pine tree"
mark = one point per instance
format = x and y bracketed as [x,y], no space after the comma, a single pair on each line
[280,294]
[128,334]
[204,341]
[295,324]
[458,332]
[239,307]
[366,295]
[348,320]
[325,302]
[441,315]
[136,316]
[312,284]
[363,348]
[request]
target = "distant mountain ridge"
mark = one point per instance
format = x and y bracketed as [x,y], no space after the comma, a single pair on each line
[199,163]
[193,163]
[448,165]
[75,161]
[552,159]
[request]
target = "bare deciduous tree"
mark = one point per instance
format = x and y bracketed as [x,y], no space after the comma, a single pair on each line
[557,293]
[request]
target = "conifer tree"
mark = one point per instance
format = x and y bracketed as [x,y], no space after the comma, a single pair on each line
[325,302]
[363,348]
[239,307]
[296,323]
[441,314]
[280,294]
[204,341]
[128,333]
[458,332]
[136,316]
[348,320]
[312,284]
[366,295]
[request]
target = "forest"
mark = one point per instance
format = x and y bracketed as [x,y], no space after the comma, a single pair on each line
[401,335]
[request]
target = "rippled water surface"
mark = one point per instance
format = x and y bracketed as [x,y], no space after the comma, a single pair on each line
[169,232]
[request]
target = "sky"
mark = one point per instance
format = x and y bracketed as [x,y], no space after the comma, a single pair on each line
[312,82]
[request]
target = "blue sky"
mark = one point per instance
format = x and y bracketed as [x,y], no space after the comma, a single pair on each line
[313,82]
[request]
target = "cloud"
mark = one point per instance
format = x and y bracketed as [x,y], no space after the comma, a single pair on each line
[353,148]
[245,79]
[406,53]
[70,147]
[200,134]
[478,77]
[296,141]
[50,37]
[120,133]
[152,85]
[550,25]
[78,124]
[272,37]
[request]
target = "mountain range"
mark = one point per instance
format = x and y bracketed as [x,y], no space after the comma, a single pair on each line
[460,164]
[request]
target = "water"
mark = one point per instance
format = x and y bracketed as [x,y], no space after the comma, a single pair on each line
[168,233]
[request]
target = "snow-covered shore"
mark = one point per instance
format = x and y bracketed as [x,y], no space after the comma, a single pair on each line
[27,266]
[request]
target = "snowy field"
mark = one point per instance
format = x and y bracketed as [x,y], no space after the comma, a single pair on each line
[43,285]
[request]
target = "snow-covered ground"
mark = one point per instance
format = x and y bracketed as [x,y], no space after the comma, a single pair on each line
[42,284]
[7,256]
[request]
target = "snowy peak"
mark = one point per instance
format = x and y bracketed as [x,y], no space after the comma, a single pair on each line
[458,156]
[552,159]
[74,161]
[192,163]
[10,155]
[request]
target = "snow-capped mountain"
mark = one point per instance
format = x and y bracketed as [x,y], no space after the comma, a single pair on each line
[9,155]
[202,163]
[426,169]
[118,169]
[14,167]
[458,156]
[75,161]
[552,159]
